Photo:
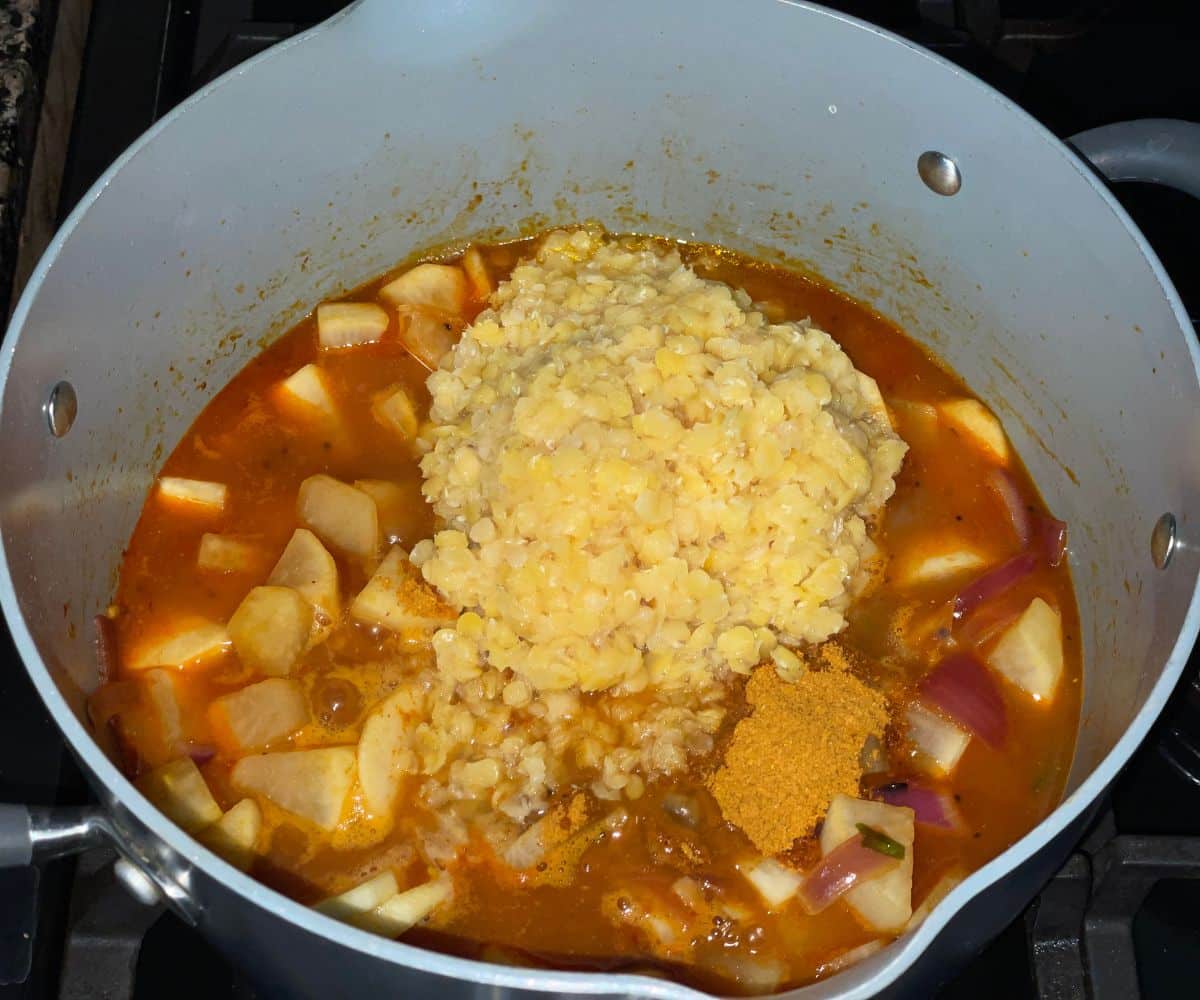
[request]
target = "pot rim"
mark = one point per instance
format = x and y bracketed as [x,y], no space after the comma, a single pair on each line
[862,980]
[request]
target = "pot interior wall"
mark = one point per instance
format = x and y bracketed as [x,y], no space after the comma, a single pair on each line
[401,126]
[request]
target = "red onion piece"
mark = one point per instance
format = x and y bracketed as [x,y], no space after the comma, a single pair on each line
[201,753]
[932,806]
[964,689]
[993,583]
[1052,533]
[847,865]
[1005,487]
[106,648]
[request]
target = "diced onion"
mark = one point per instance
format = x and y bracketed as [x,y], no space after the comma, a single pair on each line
[1002,484]
[847,865]
[1053,536]
[963,688]
[932,806]
[993,583]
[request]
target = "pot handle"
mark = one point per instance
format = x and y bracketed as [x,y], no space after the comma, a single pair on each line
[38,833]
[1154,150]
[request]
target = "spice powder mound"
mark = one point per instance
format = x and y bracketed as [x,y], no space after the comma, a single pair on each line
[799,746]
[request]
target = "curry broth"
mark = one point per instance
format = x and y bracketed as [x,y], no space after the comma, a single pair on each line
[239,440]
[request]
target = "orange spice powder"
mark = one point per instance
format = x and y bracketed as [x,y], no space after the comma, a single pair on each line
[798,747]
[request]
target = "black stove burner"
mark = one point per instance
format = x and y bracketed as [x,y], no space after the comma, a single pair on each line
[1121,919]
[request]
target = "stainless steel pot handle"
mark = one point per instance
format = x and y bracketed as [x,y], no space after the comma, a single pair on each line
[1154,150]
[35,833]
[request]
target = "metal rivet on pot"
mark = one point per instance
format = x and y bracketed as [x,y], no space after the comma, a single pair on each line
[1162,541]
[940,173]
[61,408]
[137,883]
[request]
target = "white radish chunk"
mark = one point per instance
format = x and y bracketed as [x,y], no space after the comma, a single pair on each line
[227,554]
[935,560]
[363,898]
[187,646]
[940,744]
[397,503]
[258,715]
[428,335]
[776,883]
[398,598]
[383,753]
[235,835]
[478,277]
[194,493]
[433,286]
[350,324]
[940,891]
[979,425]
[341,516]
[394,409]
[180,791]
[1030,652]
[884,903]
[307,567]
[305,393]
[163,701]
[311,784]
[914,419]
[407,909]
[270,629]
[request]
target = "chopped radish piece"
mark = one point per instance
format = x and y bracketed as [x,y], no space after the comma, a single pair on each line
[349,324]
[186,647]
[976,421]
[270,629]
[180,791]
[940,743]
[435,286]
[407,909]
[931,806]
[850,863]
[235,835]
[941,889]
[963,688]
[225,554]
[851,957]
[1030,652]
[885,902]
[383,754]
[428,335]
[395,410]
[258,715]
[163,700]
[363,898]
[993,583]
[476,270]
[776,883]
[1005,487]
[398,599]
[340,515]
[939,559]
[397,503]
[1053,536]
[312,784]
[307,567]
[306,394]
[209,497]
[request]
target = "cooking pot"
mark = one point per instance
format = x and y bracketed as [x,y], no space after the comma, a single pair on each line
[780,129]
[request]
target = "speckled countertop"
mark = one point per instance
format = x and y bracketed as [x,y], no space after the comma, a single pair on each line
[26,31]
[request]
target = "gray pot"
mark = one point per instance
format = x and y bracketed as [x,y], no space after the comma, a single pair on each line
[779,129]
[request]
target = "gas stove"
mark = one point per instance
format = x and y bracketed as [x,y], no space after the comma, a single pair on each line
[1121,919]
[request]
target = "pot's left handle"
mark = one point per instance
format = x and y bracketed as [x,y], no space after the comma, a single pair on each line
[36,833]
